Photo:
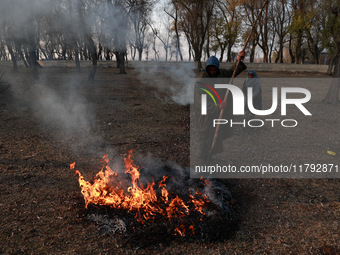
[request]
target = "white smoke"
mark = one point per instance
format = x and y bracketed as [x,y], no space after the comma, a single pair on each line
[176,79]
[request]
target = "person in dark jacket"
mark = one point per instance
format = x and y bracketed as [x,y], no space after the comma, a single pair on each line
[253,81]
[204,123]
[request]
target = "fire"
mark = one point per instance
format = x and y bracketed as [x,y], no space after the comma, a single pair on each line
[145,202]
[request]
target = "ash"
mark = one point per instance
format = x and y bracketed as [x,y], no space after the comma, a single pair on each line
[107,225]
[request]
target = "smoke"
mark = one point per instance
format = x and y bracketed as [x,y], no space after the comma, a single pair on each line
[59,104]
[59,26]
[61,107]
[174,79]
[52,28]
[67,111]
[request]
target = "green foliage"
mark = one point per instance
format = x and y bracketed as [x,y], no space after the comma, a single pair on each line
[226,25]
[331,31]
[302,21]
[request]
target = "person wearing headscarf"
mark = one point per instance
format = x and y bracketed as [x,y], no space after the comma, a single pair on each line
[204,123]
[253,81]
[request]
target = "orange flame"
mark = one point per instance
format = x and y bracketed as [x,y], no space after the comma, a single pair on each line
[192,229]
[143,201]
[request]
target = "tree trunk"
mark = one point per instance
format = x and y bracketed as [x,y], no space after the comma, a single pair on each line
[197,59]
[280,55]
[140,53]
[93,69]
[76,57]
[107,54]
[44,53]
[85,53]
[189,51]
[222,53]
[208,44]
[178,44]
[313,48]
[265,36]
[63,53]
[117,59]
[252,52]
[13,57]
[94,56]
[330,67]
[23,59]
[3,55]
[27,57]
[33,58]
[333,91]
[292,57]
[271,48]
[133,52]
[166,53]
[122,63]
[298,50]
[229,53]
[120,56]
[316,54]
[199,66]
[100,51]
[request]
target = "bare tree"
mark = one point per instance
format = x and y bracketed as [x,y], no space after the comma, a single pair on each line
[331,35]
[280,20]
[9,42]
[230,28]
[120,51]
[138,14]
[147,44]
[251,10]
[74,38]
[84,11]
[32,49]
[118,17]
[298,27]
[175,16]
[316,18]
[219,35]
[154,48]
[195,20]
[263,31]
[163,38]
[21,32]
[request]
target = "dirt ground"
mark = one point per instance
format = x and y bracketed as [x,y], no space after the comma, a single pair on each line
[40,201]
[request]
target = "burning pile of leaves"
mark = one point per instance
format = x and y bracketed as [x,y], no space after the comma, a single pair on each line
[174,206]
